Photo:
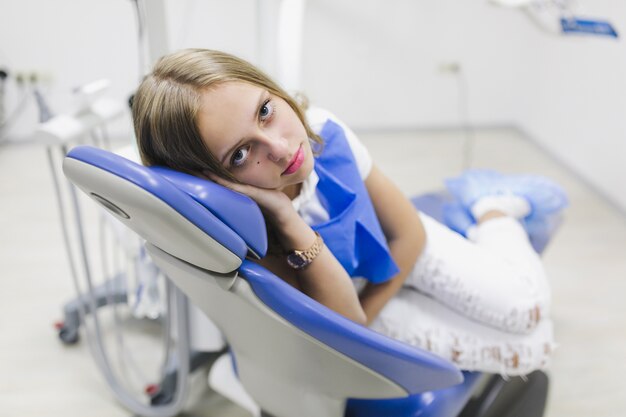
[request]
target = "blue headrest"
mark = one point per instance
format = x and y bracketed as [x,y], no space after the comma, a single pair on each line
[237,211]
[231,218]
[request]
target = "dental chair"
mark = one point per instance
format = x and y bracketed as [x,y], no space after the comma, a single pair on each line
[292,355]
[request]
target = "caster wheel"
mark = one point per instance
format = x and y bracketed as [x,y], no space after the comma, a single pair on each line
[68,336]
[163,393]
[161,398]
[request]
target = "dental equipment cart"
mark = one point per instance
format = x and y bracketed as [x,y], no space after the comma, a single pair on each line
[122,299]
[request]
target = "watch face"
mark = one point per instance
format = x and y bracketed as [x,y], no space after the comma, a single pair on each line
[296,261]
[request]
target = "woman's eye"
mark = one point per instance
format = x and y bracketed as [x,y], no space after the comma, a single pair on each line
[266,111]
[239,156]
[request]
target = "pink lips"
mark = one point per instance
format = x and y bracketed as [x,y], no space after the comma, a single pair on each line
[296,162]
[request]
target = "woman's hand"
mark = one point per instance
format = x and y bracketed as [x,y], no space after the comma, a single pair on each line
[274,204]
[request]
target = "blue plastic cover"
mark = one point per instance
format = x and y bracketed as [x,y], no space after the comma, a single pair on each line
[588,26]
[352,233]
[432,204]
[148,179]
[237,211]
[435,204]
[413,369]
[446,402]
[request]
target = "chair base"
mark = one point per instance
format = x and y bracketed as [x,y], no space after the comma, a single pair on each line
[515,397]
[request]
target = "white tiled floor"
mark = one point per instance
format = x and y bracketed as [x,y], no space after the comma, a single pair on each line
[586,262]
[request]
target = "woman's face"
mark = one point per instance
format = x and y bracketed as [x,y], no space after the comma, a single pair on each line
[255,135]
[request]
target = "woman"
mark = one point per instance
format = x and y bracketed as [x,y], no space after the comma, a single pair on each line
[334,216]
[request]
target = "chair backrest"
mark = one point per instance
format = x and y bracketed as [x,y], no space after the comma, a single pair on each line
[293,355]
[149,203]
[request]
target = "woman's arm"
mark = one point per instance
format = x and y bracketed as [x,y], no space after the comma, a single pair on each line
[405,235]
[324,279]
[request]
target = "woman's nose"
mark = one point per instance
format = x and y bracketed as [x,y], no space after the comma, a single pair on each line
[277,148]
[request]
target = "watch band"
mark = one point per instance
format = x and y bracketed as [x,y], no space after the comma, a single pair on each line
[298,259]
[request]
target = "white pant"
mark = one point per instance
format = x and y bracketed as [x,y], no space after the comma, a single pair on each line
[482,303]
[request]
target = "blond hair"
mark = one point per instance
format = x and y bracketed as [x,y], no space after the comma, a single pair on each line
[168,100]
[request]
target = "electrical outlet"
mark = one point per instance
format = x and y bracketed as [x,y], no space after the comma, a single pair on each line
[46,77]
[23,77]
[449,67]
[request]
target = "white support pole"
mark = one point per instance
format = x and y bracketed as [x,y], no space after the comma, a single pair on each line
[289,44]
[152,13]
[267,33]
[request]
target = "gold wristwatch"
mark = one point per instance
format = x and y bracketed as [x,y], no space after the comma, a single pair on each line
[299,259]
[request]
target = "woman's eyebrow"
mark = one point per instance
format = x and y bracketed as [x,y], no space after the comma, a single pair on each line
[231,149]
[255,114]
[259,104]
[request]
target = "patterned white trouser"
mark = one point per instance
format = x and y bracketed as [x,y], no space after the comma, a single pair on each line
[482,302]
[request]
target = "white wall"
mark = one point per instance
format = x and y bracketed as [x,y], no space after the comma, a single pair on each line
[73,42]
[69,43]
[577,97]
[378,65]
[373,62]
